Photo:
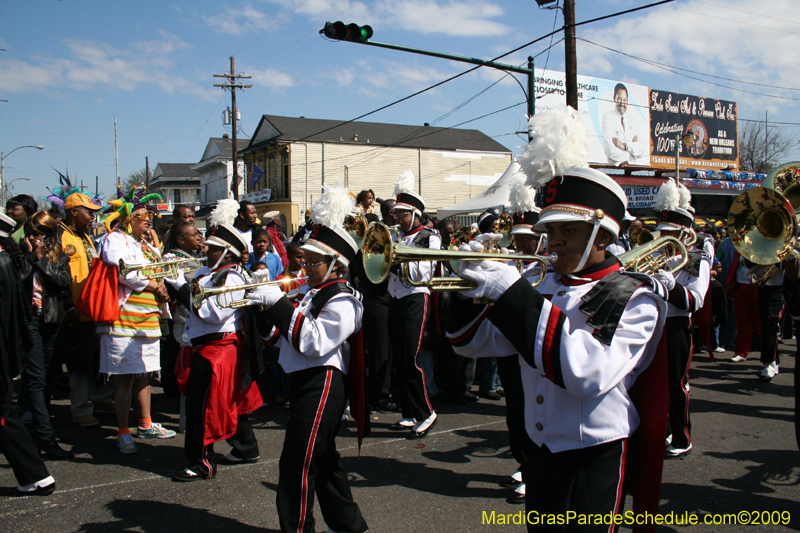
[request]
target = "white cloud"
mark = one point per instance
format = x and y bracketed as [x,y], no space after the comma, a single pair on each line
[239,21]
[89,64]
[742,39]
[270,78]
[463,18]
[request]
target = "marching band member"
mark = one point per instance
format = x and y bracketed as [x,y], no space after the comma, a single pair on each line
[217,398]
[586,337]
[686,293]
[320,346]
[129,346]
[409,310]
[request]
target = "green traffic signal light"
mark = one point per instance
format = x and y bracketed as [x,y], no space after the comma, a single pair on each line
[352,32]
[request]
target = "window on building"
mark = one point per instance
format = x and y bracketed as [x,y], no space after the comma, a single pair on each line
[176,196]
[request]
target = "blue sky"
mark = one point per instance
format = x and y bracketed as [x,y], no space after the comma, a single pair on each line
[71,66]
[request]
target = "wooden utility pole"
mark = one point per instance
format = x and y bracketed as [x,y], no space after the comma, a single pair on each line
[233,86]
[146,172]
[570,60]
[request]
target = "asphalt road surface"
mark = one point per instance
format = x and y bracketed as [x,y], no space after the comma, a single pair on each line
[745,459]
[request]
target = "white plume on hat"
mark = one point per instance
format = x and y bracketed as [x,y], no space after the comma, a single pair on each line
[559,141]
[521,198]
[334,204]
[225,212]
[668,197]
[686,196]
[404,183]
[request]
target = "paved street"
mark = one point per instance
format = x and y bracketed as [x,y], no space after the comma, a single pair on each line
[745,458]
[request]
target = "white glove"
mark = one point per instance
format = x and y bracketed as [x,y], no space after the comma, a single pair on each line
[169,257]
[177,283]
[665,278]
[493,278]
[267,295]
[473,246]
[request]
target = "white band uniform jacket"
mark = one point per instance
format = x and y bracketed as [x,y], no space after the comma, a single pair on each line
[577,394]
[322,341]
[211,318]
[419,271]
[690,290]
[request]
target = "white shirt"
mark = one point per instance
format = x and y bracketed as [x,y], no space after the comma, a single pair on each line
[625,128]
[248,237]
[210,317]
[320,341]
[419,271]
[118,245]
[593,407]
[695,287]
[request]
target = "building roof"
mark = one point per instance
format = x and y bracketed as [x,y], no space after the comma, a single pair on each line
[175,170]
[273,128]
[223,146]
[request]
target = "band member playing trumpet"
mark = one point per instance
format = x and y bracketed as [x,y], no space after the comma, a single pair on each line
[409,311]
[320,346]
[129,346]
[586,338]
[686,293]
[217,401]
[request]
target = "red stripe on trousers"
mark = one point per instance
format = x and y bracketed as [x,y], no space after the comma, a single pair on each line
[310,449]
[621,479]
[419,346]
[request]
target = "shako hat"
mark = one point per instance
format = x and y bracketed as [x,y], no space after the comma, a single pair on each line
[672,206]
[406,198]
[522,203]
[7,225]
[328,236]
[228,237]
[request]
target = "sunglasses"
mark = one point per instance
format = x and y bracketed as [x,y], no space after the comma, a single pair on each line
[305,265]
[145,216]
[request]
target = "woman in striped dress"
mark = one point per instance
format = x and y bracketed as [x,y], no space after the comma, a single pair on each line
[129,346]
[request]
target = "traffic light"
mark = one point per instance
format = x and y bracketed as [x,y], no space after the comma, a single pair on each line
[351,32]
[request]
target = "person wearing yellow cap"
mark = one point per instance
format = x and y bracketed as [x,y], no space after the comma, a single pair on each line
[79,338]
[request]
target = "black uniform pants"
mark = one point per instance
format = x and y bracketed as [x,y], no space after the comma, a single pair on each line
[17,445]
[511,377]
[679,359]
[309,462]
[407,319]
[770,306]
[379,351]
[34,377]
[243,441]
[587,481]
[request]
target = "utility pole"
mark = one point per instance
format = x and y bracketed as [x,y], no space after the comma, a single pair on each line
[570,59]
[116,148]
[97,185]
[146,172]
[233,86]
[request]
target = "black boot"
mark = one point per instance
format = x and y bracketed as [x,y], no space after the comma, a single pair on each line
[54,452]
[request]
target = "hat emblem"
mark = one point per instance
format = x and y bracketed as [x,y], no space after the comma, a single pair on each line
[552,191]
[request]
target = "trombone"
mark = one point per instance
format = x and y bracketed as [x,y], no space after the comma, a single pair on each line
[157,271]
[380,254]
[200,293]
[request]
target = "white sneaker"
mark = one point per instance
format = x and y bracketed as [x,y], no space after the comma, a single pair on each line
[425,424]
[737,359]
[719,349]
[769,371]
[520,489]
[677,452]
[669,440]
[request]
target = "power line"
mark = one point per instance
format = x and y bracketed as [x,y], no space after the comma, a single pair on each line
[747,12]
[674,70]
[738,21]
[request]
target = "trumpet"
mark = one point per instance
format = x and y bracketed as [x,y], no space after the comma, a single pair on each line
[200,293]
[381,254]
[356,225]
[157,271]
[640,236]
[655,255]
[504,226]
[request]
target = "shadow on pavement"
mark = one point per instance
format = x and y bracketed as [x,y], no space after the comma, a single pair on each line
[155,517]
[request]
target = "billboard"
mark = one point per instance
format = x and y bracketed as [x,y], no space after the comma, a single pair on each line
[616,115]
[712,124]
[635,125]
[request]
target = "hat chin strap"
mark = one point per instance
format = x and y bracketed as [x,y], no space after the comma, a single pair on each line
[221,257]
[588,248]
[331,267]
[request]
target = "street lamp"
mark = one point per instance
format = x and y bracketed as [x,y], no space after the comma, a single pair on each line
[2,167]
[7,188]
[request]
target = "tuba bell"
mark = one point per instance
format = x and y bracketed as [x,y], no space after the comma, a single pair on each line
[786,180]
[762,226]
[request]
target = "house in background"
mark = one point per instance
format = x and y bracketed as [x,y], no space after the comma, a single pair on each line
[298,156]
[177,183]
[215,171]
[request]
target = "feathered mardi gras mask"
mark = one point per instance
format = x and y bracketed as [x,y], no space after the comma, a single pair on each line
[58,195]
[123,206]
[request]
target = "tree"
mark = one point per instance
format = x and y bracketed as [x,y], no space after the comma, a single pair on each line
[135,178]
[762,147]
